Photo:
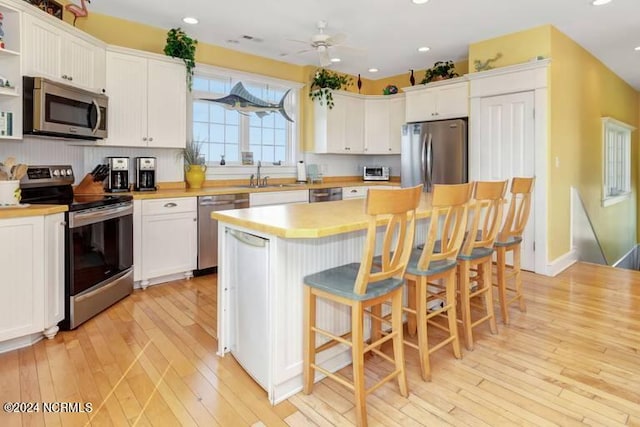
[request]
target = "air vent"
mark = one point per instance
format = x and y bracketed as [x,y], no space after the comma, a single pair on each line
[248,37]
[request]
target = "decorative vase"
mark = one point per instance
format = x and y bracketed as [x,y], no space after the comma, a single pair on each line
[195,175]
[412,79]
[359,83]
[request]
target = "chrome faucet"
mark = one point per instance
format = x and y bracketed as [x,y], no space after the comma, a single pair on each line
[258,174]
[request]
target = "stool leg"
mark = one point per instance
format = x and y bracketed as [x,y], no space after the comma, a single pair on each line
[451,312]
[518,277]
[398,344]
[485,271]
[376,325]
[501,266]
[421,314]
[465,307]
[309,339]
[357,349]
[411,303]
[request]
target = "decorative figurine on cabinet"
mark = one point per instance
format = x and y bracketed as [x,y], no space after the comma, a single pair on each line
[78,11]
[1,32]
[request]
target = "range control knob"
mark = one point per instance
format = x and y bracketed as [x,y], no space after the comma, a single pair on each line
[69,172]
[56,172]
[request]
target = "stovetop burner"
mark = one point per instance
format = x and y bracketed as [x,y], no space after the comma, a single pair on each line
[51,185]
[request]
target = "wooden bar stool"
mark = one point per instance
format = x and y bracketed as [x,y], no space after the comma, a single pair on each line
[360,286]
[437,262]
[509,240]
[475,257]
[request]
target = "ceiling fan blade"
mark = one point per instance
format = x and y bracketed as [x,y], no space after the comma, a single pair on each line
[337,39]
[298,41]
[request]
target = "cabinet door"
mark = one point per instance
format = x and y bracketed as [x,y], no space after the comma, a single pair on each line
[83,63]
[336,119]
[54,230]
[167,100]
[43,49]
[169,244]
[127,90]
[421,105]
[354,125]
[376,126]
[22,267]
[453,101]
[396,120]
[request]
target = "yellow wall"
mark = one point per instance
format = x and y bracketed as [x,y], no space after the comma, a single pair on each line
[581,91]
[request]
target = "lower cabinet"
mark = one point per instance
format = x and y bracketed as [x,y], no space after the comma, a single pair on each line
[278,198]
[32,278]
[168,238]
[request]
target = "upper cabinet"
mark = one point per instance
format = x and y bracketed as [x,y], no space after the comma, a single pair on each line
[383,120]
[147,100]
[340,129]
[437,101]
[10,71]
[52,51]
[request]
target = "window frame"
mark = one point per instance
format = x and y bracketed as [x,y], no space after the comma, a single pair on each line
[293,150]
[616,138]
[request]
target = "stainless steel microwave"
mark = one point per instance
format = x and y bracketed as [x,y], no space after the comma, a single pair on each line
[375,173]
[58,110]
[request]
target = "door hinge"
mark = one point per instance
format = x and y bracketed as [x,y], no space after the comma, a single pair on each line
[534,246]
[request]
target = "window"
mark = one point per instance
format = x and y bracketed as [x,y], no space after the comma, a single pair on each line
[616,182]
[224,131]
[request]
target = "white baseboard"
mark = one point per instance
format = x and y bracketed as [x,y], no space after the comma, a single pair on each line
[561,263]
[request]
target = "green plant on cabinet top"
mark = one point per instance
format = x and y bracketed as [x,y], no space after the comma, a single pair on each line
[323,82]
[180,45]
[441,70]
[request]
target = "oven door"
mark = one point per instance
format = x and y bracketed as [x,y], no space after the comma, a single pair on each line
[100,245]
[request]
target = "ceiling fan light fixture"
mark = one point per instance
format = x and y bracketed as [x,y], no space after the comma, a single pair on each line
[424,49]
[335,60]
[190,20]
[600,2]
[373,70]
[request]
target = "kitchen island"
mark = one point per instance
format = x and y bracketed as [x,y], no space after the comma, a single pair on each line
[264,254]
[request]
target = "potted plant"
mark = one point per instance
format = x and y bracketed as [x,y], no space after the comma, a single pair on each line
[441,70]
[323,82]
[180,45]
[194,164]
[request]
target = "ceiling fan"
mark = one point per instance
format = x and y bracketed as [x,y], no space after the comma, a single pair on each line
[321,42]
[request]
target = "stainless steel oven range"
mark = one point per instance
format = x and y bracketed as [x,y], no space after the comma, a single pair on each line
[99,241]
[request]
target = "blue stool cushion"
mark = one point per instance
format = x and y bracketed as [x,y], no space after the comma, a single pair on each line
[476,253]
[340,280]
[510,241]
[434,266]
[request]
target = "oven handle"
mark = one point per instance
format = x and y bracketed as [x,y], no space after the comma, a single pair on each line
[98,118]
[79,219]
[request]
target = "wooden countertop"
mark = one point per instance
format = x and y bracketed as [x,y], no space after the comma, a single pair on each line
[32,210]
[308,220]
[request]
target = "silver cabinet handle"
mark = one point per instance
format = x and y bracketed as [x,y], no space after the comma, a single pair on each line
[70,78]
[150,138]
[144,138]
[170,205]
[354,191]
[63,223]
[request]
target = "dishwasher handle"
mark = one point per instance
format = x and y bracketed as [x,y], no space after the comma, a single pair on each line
[248,239]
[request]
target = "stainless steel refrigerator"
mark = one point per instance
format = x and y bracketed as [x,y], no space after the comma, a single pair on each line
[434,153]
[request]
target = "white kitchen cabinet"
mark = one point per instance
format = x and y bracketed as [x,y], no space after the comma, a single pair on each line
[147,100]
[32,284]
[55,52]
[11,97]
[383,120]
[437,101]
[354,192]
[168,239]
[278,198]
[340,129]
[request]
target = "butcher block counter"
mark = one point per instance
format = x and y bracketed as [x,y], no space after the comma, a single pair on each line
[264,254]
[31,210]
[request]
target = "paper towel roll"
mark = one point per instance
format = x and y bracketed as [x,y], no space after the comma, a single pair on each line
[301,172]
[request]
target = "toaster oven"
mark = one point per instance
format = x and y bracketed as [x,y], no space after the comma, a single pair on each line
[375,173]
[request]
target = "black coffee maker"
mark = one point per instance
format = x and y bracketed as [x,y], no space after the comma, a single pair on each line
[118,179]
[145,174]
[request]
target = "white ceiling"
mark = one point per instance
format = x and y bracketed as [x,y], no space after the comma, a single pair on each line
[386,33]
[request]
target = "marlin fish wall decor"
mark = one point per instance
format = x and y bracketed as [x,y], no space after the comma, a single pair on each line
[239,99]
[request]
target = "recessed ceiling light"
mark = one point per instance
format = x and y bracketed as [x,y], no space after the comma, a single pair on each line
[424,49]
[373,70]
[335,60]
[600,2]
[189,20]
[637,48]
[419,1]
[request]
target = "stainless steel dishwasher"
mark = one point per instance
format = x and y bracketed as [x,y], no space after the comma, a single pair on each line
[325,194]
[208,227]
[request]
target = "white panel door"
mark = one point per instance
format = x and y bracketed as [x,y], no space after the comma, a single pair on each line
[82,63]
[169,244]
[167,104]
[376,131]
[506,149]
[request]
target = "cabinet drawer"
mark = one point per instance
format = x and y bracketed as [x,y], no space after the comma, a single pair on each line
[354,192]
[169,206]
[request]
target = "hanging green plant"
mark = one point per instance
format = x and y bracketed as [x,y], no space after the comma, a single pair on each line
[180,45]
[441,70]
[323,82]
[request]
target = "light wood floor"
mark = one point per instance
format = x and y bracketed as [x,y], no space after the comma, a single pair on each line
[573,358]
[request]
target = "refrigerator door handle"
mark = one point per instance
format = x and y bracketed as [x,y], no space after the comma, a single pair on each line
[423,160]
[429,174]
